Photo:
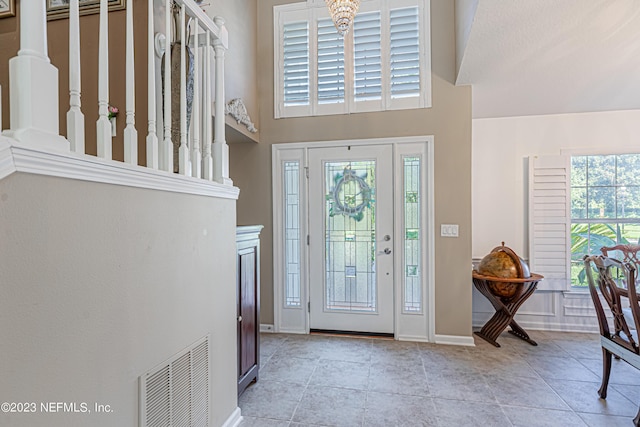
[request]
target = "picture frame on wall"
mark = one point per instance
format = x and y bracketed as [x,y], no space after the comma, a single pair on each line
[7,8]
[59,9]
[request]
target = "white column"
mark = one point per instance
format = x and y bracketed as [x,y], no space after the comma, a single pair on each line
[220,147]
[130,132]
[75,118]
[196,156]
[152,138]
[103,125]
[207,161]
[183,152]
[33,84]
[167,145]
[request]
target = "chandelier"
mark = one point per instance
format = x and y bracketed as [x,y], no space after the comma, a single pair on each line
[343,12]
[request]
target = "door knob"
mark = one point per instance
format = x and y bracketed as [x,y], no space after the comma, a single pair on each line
[239,318]
[387,238]
[387,251]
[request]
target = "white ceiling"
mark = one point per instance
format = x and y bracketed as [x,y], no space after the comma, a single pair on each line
[531,57]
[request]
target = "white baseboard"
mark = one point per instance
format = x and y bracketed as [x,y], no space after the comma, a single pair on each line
[551,326]
[412,338]
[266,328]
[455,340]
[234,419]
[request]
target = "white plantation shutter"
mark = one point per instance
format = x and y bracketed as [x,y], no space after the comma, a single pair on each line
[367,57]
[405,52]
[382,63]
[296,63]
[330,63]
[550,220]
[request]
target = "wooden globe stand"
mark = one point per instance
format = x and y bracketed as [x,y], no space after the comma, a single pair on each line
[506,308]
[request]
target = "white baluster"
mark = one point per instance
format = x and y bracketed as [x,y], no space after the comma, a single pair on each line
[130,132]
[103,125]
[183,163]
[207,161]
[196,156]
[75,118]
[220,147]
[33,84]
[167,145]
[152,138]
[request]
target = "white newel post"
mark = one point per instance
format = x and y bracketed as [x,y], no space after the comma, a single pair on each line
[220,147]
[103,125]
[130,132]
[152,137]
[33,84]
[75,118]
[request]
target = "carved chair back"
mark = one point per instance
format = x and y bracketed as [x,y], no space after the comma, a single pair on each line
[615,294]
[628,253]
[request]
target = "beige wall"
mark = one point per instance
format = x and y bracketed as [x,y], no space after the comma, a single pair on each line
[100,283]
[449,120]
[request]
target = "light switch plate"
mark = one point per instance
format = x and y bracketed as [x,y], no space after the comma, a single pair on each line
[449,230]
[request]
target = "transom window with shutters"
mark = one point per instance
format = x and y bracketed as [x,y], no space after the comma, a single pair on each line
[382,63]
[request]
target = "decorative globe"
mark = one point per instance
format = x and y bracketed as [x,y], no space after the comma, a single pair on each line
[504,263]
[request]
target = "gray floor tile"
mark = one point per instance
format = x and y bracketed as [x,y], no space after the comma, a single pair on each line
[536,417]
[288,369]
[262,422]
[598,420]
[583,397]
[331,406]
[621,371]
[384,409]
[315,380]
[458,413]
[270,399]
[451,384]
[561,368]
[337,373]
[399,379]
[523,391]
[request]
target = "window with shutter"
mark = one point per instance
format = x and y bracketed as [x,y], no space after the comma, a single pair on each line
[330,63]
[405,52]
[296,63]
[381,64]
[367,57]
[550,220]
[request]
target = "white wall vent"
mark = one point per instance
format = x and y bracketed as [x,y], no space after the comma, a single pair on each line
[176,392]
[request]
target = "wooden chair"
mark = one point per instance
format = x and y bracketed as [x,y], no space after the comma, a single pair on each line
[630,254]
[623,343]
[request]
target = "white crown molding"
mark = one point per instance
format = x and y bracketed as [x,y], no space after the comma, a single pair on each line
[15,157]
[6,158]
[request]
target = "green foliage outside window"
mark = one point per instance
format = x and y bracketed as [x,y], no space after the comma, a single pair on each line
[605,206]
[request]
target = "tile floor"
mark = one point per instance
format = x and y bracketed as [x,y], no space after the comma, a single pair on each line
[312,380]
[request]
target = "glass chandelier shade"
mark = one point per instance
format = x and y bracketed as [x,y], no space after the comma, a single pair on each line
[342,13]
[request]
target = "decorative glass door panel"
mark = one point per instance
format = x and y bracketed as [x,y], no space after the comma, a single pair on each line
[351,224]
[350,236]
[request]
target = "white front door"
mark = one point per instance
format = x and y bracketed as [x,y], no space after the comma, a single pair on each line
[351,238]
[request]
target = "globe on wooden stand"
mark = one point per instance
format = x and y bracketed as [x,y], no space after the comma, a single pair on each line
[505,280]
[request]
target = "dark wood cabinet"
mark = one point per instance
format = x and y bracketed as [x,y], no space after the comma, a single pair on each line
[248,304]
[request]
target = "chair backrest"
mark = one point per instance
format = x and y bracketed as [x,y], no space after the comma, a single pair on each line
[629,253]
[602,282]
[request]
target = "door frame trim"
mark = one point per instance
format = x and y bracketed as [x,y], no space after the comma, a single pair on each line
[283,315]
